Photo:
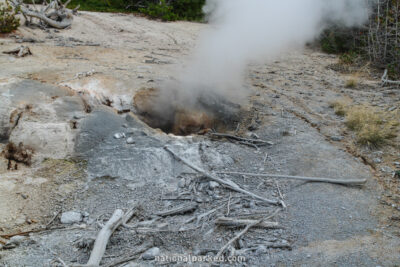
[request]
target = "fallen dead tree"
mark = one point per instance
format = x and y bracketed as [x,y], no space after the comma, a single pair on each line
[54,14]
[308,179]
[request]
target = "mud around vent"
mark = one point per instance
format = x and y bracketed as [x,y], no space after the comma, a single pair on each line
[208,112]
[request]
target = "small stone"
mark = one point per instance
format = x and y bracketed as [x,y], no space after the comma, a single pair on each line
[386,169]
[130,140]
[213,184]
[119,135]
[377,160]
[337,138]
[125,125]
[151,253]
[396,163]
[70,217]
[308,255]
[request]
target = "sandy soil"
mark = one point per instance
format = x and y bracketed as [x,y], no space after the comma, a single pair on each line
[102,61]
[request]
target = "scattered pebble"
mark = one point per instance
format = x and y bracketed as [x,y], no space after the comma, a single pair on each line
[377,160]
[213,184]
[337,138]
[151,253]
[119,135]
[70,217]
[386,169]
[182,183]
[130,140]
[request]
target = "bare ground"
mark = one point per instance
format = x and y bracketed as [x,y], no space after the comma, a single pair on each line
[78,164]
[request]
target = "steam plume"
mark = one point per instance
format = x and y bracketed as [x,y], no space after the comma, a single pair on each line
[243,31]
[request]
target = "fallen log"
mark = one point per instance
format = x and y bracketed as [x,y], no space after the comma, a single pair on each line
[303,178]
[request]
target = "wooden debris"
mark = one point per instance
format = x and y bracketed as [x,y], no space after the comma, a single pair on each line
[247,141]
[226,183]
[385,79]
[308,179]
[21,51]
[118,218]
[55,14]
[233,222]
[253,223]
[178,210]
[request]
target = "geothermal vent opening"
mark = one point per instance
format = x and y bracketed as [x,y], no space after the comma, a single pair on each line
[206,113]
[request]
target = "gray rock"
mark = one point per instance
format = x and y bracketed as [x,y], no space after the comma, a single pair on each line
[119,135]
[386,169]
[130,140]
[182,183]
[337,138]
[151,253]
[213,184]
[70,217]
[377,160]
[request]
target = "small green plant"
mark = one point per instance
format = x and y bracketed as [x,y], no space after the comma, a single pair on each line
[161,10]
[8,21]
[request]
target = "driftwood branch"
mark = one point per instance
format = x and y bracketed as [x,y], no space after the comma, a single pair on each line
[21,51]
[118,218]
[385,79]
[308,179]
[133,255]
[226,183]
[53,15]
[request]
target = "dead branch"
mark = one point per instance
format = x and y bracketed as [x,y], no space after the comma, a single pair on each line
[233,222]
[245,140]
[54,15]
[178,210]
[385,79]
[21,51]
[118,218]
[226,183]
[308,179]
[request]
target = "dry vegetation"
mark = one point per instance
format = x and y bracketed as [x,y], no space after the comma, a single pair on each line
[373,127]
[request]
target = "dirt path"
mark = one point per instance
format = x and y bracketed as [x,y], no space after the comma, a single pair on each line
[101,62]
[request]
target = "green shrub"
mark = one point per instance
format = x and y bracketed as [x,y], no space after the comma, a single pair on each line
[8,21]
[160,10]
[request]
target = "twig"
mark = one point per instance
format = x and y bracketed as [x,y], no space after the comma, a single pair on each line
[280,195]
[309,179]
[233,222]
[253,141]
[228,184]
[229,205]
[178,210]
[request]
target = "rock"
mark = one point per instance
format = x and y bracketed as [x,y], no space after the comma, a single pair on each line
[213,184]
[119,135]
[386,169]
[151,253]
[377,160]
[70,217]
[337,138]
[130,140]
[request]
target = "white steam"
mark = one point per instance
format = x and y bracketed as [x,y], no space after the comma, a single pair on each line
[243,31]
